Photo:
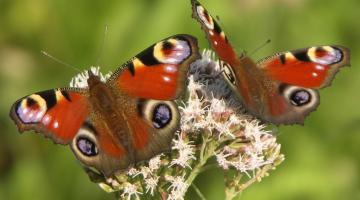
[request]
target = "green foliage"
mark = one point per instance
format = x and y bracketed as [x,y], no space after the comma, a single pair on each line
[323,160]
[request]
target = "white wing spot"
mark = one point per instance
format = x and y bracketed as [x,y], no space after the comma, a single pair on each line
[56,124]
[320,67]
[170,69]
[46,119]
[201,13]
[166,79]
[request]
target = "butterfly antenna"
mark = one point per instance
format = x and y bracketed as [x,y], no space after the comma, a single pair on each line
[101,50]
[259,47]
[59,61]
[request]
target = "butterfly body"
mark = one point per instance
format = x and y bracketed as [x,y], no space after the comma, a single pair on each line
[281,89]
[126,119]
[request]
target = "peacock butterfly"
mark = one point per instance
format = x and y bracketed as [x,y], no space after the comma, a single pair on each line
[129,118]
[281,89]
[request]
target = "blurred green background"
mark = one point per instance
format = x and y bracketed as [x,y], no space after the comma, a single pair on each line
[322,157]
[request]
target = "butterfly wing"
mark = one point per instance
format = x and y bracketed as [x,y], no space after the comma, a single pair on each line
[280,89]
[159,72]
[215,35]
[58,114]
[149,82]
[114,124]
[96,148]
[284,104]
[292,79]
[238,72]
[269,99]
[313,67]
[152,127]
[130,126]
[145,129]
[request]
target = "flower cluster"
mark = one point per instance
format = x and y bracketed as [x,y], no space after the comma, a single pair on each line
[213,123]
[80,80]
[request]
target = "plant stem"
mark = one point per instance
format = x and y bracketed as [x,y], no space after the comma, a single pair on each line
[198,192]
[206,152]
[258,176]
[232,186]
[231,193]
[236,189]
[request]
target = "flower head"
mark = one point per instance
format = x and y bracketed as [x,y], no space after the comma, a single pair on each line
[130,191]
[177,188]
[185,152]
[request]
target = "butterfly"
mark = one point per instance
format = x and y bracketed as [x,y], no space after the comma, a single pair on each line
[127,119]
[282,88]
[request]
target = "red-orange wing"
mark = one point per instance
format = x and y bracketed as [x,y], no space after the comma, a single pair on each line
[159,71]
[57,114]
[313,67]
[152,127]
[215,35]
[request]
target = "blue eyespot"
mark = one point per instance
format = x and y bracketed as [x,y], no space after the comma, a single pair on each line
[161,116]
[86,147]
[300,97]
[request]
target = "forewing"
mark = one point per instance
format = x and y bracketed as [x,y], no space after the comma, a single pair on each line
[159,72]
[313,67]
[215,35]
[57,114]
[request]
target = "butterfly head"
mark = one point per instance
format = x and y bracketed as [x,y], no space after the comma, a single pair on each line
[93,79]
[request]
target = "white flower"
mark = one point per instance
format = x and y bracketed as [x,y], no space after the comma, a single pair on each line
[192,112]
[130,191]
[234,119]
[144,171]
[177,188]
[155,163]
[193,86]
[80,80]
[132,172]
[241,166]
[180,144]
[184,156]
[218,107]
[186,152]
[221,158]
[151,184]
[255,161]
[253,129]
